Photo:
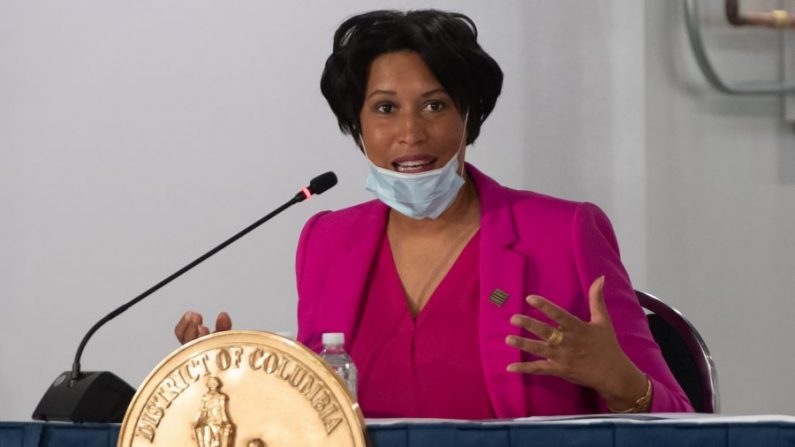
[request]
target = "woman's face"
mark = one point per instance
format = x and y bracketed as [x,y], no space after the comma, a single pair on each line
[409,122]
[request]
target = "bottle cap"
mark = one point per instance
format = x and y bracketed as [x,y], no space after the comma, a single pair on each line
[333,338]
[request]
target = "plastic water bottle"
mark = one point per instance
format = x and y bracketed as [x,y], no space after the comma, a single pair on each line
[335,356]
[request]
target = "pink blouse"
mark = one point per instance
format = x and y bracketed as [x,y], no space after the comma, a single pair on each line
[425,366]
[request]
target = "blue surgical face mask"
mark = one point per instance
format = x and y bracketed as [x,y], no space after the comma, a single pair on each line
[420,196]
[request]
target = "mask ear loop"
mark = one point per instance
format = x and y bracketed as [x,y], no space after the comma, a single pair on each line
[463,141]
[364,149]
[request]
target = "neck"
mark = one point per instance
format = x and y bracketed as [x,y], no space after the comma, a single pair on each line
[464,211]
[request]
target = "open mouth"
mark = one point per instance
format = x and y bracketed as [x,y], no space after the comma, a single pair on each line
[412,165]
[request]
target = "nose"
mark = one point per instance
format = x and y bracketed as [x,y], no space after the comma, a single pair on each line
[411,129]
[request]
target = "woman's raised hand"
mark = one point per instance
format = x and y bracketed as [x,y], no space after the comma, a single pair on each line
[586,353]
[191,326]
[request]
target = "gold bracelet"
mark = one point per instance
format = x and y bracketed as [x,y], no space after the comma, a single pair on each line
[641,405]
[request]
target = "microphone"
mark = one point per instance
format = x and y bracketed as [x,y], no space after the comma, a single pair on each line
[101,396]
[317,185]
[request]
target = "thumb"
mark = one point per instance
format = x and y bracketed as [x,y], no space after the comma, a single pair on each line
[596,301]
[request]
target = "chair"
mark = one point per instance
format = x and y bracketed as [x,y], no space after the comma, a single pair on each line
[685,352]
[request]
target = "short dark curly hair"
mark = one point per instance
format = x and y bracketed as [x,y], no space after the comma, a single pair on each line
[447,43]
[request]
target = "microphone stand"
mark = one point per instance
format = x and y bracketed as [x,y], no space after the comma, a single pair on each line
[101,396]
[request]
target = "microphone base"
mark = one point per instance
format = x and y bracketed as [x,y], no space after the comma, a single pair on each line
[97,396]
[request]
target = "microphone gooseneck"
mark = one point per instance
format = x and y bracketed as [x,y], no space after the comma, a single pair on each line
[317,185]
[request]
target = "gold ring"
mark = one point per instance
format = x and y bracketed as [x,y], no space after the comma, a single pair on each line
[555,338]
[780,18]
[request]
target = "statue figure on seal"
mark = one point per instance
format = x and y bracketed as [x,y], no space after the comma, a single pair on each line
[212,426]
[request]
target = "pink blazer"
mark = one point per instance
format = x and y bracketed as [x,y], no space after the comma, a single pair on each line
[529,244]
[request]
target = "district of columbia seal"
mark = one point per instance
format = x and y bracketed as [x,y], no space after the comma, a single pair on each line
[242,389]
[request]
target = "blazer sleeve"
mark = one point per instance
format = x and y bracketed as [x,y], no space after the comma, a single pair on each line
[596,254]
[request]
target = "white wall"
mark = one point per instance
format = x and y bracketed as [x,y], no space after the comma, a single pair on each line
[720,195]
[136,135]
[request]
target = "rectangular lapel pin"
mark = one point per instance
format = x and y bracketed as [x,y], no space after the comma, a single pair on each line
[498,297]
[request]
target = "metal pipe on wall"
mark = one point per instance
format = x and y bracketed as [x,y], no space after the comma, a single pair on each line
[693,26]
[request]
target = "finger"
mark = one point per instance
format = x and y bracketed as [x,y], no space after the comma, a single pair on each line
[191,332]
[537,328]
[596,301]
[223,322]
[535,347]
[538,367]
[196,322]
[202,331]
[186,326]
[555,313]
[179,329]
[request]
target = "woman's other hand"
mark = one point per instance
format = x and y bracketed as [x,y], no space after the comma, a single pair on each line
[586,353]
[191,327]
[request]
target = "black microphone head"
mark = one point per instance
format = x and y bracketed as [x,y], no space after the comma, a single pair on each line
[322,182]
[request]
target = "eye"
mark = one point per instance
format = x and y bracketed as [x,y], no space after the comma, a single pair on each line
[435,106]
[385,107]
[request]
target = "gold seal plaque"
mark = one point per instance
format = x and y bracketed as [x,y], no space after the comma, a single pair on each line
[242,389]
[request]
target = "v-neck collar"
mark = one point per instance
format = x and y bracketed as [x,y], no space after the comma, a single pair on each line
[449,275]
[500,268]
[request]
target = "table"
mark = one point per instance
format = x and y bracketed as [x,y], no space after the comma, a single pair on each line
[703,431]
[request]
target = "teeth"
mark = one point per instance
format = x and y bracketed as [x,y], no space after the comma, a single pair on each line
[412,164]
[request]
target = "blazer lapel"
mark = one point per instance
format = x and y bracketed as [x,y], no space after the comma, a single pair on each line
[348,272]
[502,270]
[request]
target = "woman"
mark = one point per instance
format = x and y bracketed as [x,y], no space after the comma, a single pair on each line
[460,298]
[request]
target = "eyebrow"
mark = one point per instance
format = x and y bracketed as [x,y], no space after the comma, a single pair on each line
[393,93]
